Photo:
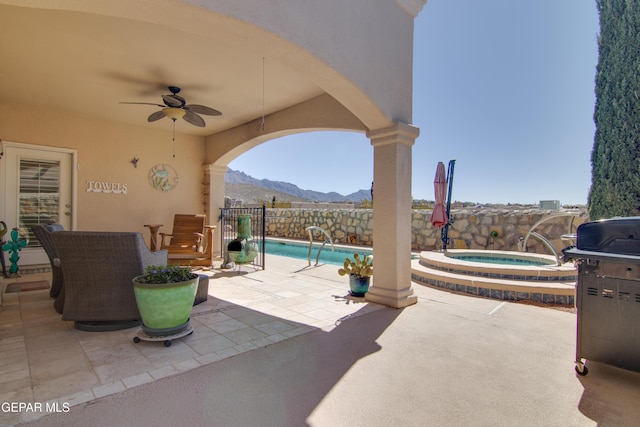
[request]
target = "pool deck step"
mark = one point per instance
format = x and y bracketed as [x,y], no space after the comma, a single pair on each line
[556,292]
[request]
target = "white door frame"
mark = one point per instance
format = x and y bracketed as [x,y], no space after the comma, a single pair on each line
[31,255]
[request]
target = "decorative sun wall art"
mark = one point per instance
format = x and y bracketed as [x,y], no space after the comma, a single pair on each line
[163,177]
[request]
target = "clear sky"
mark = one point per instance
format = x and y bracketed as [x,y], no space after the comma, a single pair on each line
[504,87]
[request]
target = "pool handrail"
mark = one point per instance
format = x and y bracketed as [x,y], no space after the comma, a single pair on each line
[328,239]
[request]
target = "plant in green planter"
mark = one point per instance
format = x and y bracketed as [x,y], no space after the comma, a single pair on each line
[165,295]
[157,274]
[360,271]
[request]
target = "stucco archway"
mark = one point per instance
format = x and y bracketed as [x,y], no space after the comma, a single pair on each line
[344,105]
[392,174]
[334,65]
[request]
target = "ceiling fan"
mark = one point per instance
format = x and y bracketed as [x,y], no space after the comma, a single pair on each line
[176,107]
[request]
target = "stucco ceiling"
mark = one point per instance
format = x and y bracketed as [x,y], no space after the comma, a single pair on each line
[85,64]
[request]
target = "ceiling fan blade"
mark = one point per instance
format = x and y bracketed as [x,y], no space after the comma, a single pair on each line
[143,103]
[173,100]
[194,119]
[156,116]
[201,109]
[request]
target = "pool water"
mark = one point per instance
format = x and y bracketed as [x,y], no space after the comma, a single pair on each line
[501,260]
[301,251]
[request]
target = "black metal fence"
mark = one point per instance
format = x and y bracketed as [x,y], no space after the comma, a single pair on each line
[229,230]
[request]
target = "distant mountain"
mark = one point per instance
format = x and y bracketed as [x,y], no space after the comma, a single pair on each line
[264,189]
[248,193]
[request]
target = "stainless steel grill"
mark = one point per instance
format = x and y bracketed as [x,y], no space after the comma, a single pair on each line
[608,293]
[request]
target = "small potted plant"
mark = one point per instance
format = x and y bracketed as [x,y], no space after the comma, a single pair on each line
[360,271]
[165,295]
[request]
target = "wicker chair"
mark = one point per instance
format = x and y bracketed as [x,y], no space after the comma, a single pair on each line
[43,234]
[98,269]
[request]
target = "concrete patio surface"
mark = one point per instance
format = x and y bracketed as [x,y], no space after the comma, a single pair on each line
[450,360]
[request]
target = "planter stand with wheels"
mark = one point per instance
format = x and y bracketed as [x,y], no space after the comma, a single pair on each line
[146,334]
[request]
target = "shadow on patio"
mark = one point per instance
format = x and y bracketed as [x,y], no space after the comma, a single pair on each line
[45,359]
[449,360]
[279,385]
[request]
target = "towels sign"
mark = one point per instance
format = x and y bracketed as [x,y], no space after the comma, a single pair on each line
[106,187]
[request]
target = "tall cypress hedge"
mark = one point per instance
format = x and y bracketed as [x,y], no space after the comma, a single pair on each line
[615,158]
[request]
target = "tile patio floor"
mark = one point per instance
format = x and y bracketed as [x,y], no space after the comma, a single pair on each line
[450,360]
[44,359]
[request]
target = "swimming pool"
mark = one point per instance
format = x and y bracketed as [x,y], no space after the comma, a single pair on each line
[300,250]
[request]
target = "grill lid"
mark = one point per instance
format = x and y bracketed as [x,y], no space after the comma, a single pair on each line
[616,236]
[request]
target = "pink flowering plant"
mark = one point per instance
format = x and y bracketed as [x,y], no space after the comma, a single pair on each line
[157,274]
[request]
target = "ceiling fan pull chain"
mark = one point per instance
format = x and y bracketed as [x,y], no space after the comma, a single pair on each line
[174,138]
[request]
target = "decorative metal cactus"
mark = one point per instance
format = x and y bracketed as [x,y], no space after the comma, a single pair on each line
[13,248]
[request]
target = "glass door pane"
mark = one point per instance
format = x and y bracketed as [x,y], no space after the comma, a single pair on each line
[38,195]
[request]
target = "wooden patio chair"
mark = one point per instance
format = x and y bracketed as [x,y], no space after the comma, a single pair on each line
[190,241]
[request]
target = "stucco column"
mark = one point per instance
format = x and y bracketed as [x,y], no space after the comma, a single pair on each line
[215,200]
[391,284]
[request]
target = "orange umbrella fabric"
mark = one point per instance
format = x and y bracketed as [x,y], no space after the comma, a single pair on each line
[439,215]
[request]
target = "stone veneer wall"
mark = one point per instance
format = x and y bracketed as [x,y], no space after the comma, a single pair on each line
[470,229]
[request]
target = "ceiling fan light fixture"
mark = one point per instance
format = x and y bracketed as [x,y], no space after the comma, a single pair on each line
[175,107]
[174,113]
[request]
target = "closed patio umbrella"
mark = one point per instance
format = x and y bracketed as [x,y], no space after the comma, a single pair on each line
[439,215]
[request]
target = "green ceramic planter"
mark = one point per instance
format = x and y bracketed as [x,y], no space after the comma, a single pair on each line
[166,305]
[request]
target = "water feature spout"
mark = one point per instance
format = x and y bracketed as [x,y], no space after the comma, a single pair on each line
[549,245]
[522,245]
[328,239]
